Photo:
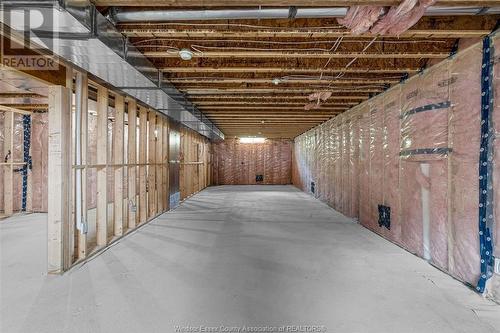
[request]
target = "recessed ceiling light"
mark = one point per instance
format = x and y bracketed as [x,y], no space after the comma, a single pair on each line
[186,54]
[276,81]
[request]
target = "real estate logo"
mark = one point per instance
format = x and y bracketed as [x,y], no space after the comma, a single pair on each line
[29,37]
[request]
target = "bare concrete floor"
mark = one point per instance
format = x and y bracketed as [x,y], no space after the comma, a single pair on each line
[234,256]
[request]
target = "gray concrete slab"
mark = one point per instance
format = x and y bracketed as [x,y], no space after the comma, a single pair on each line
[233,256]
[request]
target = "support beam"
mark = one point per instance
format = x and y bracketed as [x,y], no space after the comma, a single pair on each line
[256,108]
[7,158]
[284,103]
[284,70]
[165,165]
[102,159]
[143,122]
[429,27]
[284,81]
[241,91]
[152,162]
[295,54]
[271,98]
[59,191]
[159,167]
[132,159]
[118,148]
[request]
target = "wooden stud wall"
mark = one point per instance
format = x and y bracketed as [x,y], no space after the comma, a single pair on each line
[12,159]
[194,163]
[130,185]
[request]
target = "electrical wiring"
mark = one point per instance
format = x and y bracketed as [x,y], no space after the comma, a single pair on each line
[291,78]
[239,25]
[315,41]
[341,74]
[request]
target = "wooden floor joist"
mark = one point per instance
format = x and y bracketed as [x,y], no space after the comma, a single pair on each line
[284,70]
[287,81]
[291,54]
[224,91]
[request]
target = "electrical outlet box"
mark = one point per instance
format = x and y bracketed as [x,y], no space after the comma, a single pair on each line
[497,265]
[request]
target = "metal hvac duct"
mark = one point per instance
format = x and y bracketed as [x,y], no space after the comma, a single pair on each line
[75,31]
[119,15]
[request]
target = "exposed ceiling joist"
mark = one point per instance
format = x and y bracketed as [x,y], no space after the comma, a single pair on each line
[291,70]
[289,54]
[203,91]
[303,28]
[254,77]
[288,81]
[213,107]
[265,103]
[258,97]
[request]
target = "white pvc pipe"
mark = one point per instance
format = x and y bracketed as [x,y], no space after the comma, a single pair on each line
[78,151]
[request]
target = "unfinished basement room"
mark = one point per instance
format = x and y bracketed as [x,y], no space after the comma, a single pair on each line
[216,166]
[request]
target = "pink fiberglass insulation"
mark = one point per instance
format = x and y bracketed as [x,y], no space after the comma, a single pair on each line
[376,147]
[391,146]
[337,163]
[424,144]
[402,17]
[496,172]
[37,176]
[346,179]
[239,163]
[364,168]
[359,19]
[39,157]
[354,163]
[465,141]
[415,149]
[17,156]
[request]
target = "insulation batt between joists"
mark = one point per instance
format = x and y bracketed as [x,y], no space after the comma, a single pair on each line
[380,20]
[415,149]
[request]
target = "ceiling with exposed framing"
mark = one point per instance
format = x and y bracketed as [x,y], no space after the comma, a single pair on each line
[253,77]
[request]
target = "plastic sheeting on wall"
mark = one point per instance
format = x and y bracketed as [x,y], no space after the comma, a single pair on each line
[238,163]
[413,150]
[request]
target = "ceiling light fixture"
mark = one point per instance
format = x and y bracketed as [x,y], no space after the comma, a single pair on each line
[276,81]
[252,140]
[186,54]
